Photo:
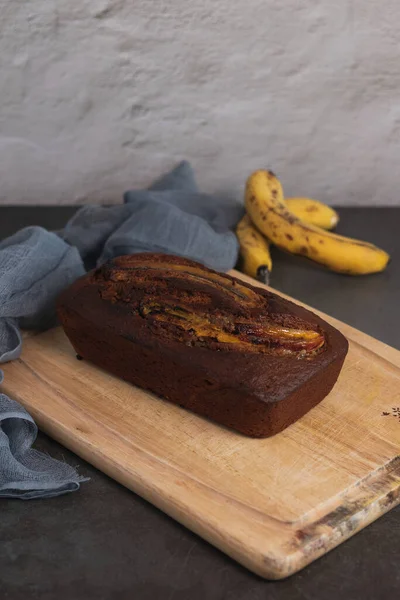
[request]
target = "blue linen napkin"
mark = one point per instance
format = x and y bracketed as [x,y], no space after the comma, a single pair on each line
[172,216]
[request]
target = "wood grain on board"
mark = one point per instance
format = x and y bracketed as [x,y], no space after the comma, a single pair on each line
[274,505]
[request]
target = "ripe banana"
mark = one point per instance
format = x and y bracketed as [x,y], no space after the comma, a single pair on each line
[267,210]
[313,212]
[255,248]
[254,251]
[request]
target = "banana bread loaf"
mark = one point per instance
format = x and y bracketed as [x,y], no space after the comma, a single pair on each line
[237,354]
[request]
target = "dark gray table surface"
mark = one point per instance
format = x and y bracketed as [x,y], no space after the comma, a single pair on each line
[104,542]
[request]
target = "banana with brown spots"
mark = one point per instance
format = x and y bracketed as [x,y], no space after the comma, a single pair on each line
[313,212]
[267,209]
[255,247]
[254,251]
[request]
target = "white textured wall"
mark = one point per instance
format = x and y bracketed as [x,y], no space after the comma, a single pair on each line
[100,95]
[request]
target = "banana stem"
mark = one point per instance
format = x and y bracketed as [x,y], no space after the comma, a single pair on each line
[263,274]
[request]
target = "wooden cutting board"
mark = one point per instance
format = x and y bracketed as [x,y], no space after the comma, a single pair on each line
[274,505]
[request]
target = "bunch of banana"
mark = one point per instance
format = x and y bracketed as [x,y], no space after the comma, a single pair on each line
[300,226]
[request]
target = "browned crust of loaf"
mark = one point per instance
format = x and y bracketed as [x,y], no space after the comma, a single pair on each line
[256,394]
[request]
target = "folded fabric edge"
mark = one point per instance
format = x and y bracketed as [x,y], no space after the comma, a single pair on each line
[42,492]
[37,486]
[15,352]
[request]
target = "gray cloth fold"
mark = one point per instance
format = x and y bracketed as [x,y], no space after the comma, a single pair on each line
[24,472]
[172,216]
[35,266]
